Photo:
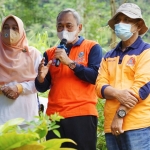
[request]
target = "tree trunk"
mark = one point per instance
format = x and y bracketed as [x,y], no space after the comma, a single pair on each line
[113,35]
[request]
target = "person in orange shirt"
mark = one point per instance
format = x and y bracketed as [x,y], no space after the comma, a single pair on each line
[72,82]
[124,81]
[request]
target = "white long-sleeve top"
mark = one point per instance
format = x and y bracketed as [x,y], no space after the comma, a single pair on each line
[25,106]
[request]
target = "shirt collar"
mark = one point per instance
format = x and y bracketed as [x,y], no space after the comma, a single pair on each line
[133,46]
[80,40]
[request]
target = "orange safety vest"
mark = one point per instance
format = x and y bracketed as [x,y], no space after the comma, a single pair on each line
[69,95]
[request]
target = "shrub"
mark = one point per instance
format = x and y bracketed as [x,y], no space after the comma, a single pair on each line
[12,137]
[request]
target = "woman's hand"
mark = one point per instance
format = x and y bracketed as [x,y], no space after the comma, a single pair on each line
[10,91]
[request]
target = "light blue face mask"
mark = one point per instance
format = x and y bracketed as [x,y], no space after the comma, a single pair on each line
[123,31]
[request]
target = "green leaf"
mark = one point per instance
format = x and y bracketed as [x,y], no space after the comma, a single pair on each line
[10,124]
[33,146]
[54,144]
[67,149]
[56,117]
[56,132]
[42,131]
[14,140]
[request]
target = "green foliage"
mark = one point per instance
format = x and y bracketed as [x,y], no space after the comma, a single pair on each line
[15,138]
[45,94]
[101,144]
[10,125]
[39,17]
[39,40]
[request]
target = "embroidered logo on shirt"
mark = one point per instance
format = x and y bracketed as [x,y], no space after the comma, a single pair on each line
[81,54]
[80,57]
[131,61]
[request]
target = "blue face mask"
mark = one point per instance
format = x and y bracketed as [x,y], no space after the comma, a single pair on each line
[123,31]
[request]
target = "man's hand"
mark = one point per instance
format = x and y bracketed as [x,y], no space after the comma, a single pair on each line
[43,70]
[126,98]
[116,126]
[62,56]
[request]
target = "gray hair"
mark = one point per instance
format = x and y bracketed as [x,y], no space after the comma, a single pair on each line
[74,12]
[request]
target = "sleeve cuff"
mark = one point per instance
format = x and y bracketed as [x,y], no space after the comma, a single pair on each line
[102,90]
[77,67]
[20,88]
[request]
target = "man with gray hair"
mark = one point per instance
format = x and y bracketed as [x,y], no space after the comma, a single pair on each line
[70,72]
[124,81]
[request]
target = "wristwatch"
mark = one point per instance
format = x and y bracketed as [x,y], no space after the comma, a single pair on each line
[72,65]
[121,113]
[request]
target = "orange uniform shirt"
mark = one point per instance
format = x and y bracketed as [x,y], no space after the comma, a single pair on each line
[127,70]
[69,95]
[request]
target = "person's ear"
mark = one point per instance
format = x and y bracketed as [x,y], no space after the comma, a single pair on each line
[80,27]
[140,24]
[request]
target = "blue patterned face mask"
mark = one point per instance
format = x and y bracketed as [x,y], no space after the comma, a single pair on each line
[123,31]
